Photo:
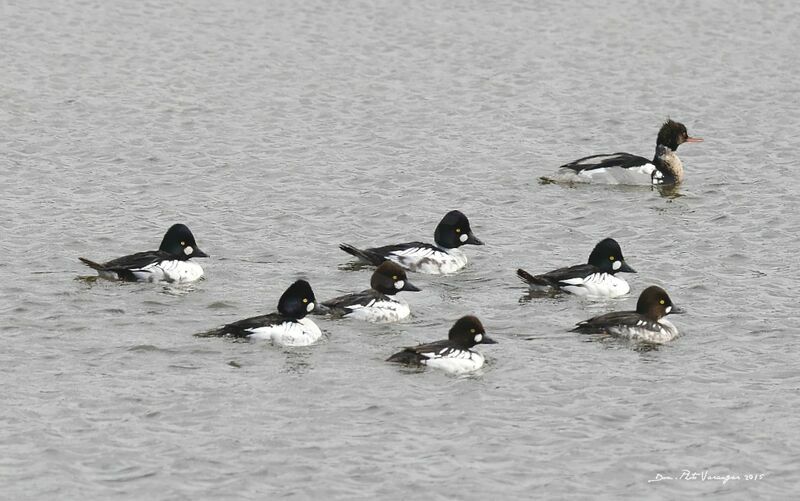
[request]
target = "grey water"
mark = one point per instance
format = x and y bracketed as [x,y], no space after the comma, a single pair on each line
[276,130]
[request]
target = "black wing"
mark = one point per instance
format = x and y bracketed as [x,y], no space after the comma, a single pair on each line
[377,255]
[124,265]
[602,323]
[623,160]
[339,305]
[136,261]
[414,355]
[240,328]
[557,277]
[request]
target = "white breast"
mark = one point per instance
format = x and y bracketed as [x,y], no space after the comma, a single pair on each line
[430,261]
[597,285]
[303,332]
[456,362]
[170,271]
[380,311]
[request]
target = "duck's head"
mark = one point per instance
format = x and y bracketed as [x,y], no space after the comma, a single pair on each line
[674,134]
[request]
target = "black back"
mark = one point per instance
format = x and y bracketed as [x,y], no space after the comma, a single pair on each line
[603,161]
[339,305]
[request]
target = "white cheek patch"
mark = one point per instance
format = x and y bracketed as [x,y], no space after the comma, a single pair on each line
[463,237]
[617,265]
[478,338]
[188,250]
[399,284]
[669,309]
[309,307]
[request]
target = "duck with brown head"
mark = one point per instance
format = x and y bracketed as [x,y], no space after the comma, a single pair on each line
[454,354]
[647,323]
[377,304]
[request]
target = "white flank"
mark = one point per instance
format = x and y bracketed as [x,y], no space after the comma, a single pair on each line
[598,285]
[640,175]
[666,332]
[380,312]
[456,362]
[170,271]
[430,261]
[303,332]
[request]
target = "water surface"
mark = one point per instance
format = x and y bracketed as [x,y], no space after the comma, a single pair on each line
[276,130]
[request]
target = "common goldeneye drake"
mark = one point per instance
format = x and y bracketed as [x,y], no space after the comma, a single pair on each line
[378,303]
[444,257]
[624,168]
[287,327]
[596,278]
[646,324]
[453,354]
[170,263]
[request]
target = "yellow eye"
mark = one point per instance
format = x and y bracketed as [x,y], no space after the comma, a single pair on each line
[661,301]
[472,331]
[394,277]
[305,300]
[458,230]
[611,258]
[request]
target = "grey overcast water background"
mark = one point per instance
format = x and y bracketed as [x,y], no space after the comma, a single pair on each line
[277,130]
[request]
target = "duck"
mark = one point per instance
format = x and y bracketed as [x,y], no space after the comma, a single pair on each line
[624,168]
[442,257]
[597,278]
[378,303]
[170,263]
[454,354]
[286,327]
[647,324]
